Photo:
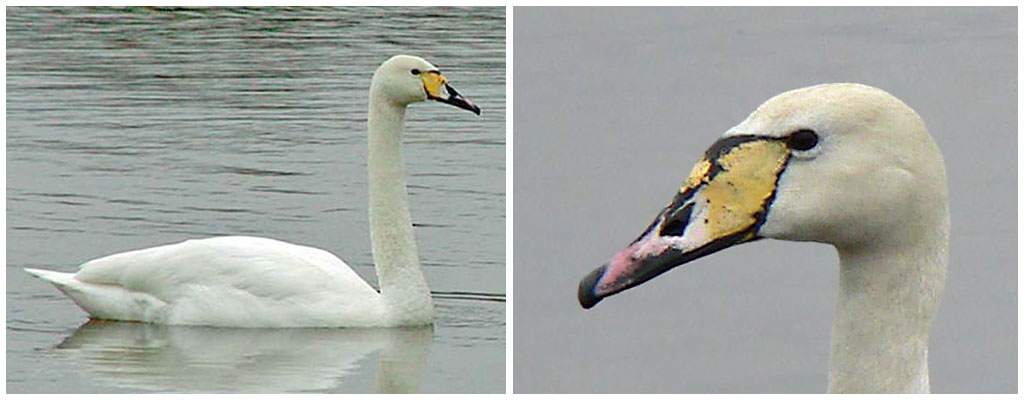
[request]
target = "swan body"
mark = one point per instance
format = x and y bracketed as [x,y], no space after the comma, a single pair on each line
[239,281]
[223,281]
[844,164]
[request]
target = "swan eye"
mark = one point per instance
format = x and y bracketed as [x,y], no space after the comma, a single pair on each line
[804,139]
[414,71]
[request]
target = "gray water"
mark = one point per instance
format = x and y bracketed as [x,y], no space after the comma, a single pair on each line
[614,107]
[130,128]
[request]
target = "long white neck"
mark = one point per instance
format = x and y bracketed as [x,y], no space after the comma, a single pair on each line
[402,283]
[888,295]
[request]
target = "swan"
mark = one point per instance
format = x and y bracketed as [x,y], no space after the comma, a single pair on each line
[844,164]
[239,281]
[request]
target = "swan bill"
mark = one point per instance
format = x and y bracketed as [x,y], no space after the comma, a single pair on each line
[434,81]
[723,202]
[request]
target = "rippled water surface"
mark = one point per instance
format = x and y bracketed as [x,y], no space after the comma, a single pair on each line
[129,128]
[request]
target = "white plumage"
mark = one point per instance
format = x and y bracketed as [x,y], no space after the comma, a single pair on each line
[844,164]
[240,281]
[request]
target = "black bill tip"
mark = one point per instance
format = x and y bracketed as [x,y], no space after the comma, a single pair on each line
[456,99]
[585,294]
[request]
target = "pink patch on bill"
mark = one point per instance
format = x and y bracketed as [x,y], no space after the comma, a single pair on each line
[624,263]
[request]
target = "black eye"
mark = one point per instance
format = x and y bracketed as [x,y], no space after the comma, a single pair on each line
[804,139]
[414,71]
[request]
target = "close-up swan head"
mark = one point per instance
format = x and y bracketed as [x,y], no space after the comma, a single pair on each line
[403,80]
[844,164]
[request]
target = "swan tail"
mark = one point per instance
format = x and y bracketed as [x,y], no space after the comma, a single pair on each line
[54,277]
[104,301]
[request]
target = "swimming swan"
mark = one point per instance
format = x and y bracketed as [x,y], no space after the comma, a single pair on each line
[238,281]
[844,164]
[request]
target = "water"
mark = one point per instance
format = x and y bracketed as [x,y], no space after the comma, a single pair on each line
[614,107]
[129,128]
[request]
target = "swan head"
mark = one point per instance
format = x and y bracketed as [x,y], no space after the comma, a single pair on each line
[403,80]
[844,164]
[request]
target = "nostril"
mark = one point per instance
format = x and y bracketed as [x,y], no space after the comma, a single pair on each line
[673,228]
[676,223]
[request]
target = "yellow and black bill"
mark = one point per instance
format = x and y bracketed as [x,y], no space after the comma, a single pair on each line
[438,89]
[723,202]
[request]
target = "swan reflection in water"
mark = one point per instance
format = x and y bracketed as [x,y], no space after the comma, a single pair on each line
[198,359]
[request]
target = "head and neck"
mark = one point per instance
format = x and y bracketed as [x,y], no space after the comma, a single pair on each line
[843,164]
[397,83]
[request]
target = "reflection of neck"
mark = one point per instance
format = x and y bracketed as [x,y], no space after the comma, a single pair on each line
[888,295]
[402,359]
[402,284]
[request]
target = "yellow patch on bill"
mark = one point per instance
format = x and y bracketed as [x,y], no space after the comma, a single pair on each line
[736,194]
[697,175]
[433,82]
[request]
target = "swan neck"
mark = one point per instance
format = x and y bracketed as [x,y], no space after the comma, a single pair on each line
[888,296]
[401,281]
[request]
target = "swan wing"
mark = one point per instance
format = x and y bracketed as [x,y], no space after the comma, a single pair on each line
[223,281]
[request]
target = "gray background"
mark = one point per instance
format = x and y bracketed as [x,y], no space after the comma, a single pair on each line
[614,106]
[134,127]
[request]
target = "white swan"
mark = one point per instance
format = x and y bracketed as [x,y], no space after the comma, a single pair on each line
[238,281]
[844,164]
